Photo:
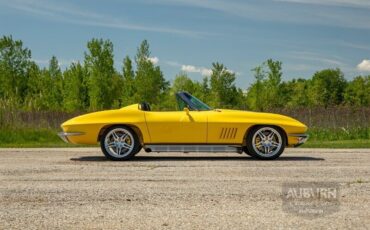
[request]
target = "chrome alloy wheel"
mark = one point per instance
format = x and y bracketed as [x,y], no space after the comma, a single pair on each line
[267,141]
[119,142]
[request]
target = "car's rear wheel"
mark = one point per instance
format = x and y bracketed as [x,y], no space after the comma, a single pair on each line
[119,143]
[265,142]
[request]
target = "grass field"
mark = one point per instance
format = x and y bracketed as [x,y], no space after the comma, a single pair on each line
[319,138]
[359,143]
[28,137]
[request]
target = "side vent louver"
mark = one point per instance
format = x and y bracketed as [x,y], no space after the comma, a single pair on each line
[228,133]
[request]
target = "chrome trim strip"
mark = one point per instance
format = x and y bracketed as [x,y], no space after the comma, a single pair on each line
[193,148]
[64,135]
[302,138]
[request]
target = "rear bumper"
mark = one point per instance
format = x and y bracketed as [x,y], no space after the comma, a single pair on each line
[64,136]
[301,138]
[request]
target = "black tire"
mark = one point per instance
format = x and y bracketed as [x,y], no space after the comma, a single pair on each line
[252,150]
[111,153]
[138,150]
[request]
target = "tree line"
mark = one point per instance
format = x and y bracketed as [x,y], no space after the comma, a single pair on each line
[95,83]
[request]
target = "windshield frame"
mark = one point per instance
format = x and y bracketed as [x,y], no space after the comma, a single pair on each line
[191,102]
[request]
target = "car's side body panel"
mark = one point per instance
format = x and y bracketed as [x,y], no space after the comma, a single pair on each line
[177,127]
[230,126]
[226,128]
[92,124]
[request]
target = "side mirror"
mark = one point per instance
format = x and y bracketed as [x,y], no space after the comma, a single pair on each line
[186,110]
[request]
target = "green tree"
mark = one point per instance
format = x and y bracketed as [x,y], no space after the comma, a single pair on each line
[357,92]
[75,88]
[100,71]
[257,91]
[260,89]
[150,83]
[117,90]
[327,87]
[295,92]
[129,89]
[14,63]
[274,74]
[34,97]
[223,90]
[183,83]
[206,91]
[55,87]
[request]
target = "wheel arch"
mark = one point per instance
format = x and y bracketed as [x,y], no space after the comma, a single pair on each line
[132,127]
[262,125]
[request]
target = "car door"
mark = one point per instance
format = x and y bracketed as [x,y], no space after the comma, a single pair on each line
[177,127]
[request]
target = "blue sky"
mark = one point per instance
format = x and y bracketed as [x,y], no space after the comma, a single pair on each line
[188,35]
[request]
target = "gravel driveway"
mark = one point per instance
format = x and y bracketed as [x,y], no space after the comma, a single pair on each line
[74,188]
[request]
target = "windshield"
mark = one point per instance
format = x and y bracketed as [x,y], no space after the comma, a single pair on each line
[185,99]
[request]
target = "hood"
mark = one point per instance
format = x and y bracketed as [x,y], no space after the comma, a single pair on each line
[265,118]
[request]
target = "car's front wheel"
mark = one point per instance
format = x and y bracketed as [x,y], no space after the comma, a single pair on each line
[265,142]
[119,143]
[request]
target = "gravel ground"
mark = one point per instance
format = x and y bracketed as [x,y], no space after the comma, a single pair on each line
[74,188]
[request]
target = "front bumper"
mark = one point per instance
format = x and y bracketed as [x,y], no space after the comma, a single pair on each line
[302,138]
[64,135]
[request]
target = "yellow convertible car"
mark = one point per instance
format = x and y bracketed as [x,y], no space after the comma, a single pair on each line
[196,127]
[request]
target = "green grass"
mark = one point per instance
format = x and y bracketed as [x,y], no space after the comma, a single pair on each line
[359,143]
[28,135]
[337,134]
[319,138]
[358,137]
[31,138]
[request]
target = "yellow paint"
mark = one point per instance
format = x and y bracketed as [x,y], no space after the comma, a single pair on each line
[91,124]
[177,127]
[215,126]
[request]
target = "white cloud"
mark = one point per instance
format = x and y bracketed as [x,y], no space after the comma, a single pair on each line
[202,70]
[232,72]
[206,72]
[190,68]
[154,60]
[316,57]
[193,69]
[304,61]
[364,65]
[356,46]
[63,12]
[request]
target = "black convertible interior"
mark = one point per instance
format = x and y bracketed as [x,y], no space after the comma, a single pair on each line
[145,106]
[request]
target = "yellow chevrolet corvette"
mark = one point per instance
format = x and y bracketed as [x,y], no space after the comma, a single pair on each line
[196,127]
